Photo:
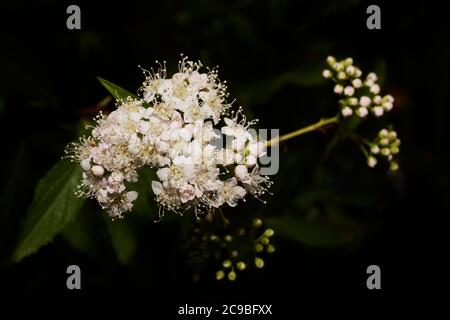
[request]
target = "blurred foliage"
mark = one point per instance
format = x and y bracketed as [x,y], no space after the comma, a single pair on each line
[272,54]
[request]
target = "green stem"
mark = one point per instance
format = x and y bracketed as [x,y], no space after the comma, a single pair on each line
[313,127]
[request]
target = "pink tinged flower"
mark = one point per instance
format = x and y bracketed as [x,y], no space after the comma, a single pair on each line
[187,193]
[198,80]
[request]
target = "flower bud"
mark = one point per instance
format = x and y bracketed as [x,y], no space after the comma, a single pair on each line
[257,223]
[241,265]
[364,101]
[259,263]
[97,171]
[362,112]
[85,165]
[338,89]
[375,89]
[241,172]
[346,112]
[331,60]
[357,83]
[383,133]
[394,166]
[269,232]
[270,249]
[341,75]
[226,264]
[385,152]
[232,276]
[220,275]
[259,247]
[378,111]
[326,73]
[349,90]
[371,161]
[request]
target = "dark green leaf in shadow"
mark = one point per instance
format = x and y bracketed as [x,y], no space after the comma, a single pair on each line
[124,238]
[87,233]
[53,206]
[335,231]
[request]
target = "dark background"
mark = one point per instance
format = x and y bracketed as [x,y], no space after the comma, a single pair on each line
[272,54]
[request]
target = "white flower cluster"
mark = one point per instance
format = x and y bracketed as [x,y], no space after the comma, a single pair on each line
[386,145]
[172,129]
[359,96]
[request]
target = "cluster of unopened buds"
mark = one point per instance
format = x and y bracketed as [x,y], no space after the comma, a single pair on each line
[359,96]
[175,126]
[262,245]
[385,145]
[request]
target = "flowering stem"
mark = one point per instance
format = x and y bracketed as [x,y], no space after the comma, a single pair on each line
[313,127]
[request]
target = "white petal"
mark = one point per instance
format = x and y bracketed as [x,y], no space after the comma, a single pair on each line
[157,187]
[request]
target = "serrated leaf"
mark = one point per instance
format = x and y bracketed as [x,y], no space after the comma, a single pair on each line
[53,206]
[116,91]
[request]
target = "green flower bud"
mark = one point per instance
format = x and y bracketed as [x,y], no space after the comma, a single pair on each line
[385,152]
[241,265]
[392,135]
[232,276]
[259,263]
[394,166]
[259,247]
[384,141]
[395,150]
[331,60]
[228,238]
[383,133]
[226,264]
[348,61]
[257,223]
[269,232]
[265,241]
[270,249]
[214,238]
[220,275]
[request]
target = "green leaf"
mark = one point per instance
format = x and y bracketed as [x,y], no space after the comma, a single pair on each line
[87,233]
[124,238]
[311,232]
[53,206]
[117,92]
